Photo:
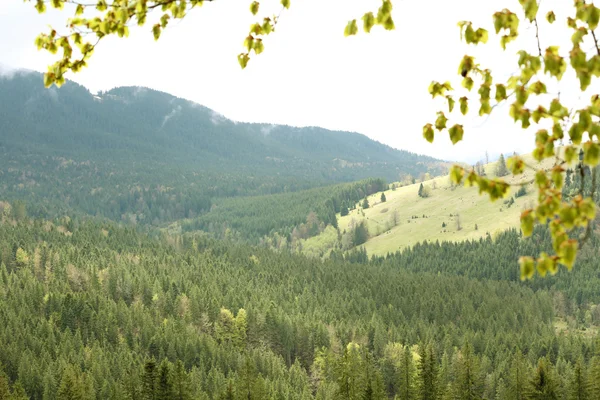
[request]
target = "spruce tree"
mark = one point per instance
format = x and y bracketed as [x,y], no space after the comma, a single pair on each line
[517,377]
[594,377]
[365,203]
[164,387]
[4,387]
[578,385]
[181,382]
[383,199]
[149,381]
[543,385]
[420,190]
[469,383]
[406,376]
[501,169]
[427,373]
[344,209]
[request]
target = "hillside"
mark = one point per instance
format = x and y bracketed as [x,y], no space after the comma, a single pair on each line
[450,213]
[147,142]
[100,309]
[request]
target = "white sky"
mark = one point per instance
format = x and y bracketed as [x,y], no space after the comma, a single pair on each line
[309,74]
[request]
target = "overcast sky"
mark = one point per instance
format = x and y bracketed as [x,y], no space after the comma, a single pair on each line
[309,74]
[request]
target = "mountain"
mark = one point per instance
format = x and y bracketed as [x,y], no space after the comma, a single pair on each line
[143,140]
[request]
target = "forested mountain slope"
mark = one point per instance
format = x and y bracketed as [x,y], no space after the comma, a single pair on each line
[140,154]
[92,310]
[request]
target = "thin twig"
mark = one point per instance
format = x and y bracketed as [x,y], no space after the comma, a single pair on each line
[537,36]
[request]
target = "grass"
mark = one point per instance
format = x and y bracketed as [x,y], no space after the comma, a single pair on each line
[421,219]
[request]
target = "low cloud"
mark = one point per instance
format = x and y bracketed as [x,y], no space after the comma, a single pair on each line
[170,115]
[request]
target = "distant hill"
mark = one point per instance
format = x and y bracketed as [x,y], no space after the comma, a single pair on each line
[450,213]
[97,148]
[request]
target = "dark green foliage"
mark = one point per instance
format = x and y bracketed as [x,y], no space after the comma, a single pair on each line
[344,210]
[521,192]
[407,376]
[365,203]
[543,385]
[164,386]
[428,373]
[106,312]
[149,381]
[469,384]
[579,383]
[383,199]
[288,214]
[360,233]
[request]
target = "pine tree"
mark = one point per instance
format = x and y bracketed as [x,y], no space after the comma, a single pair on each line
[365,203]
[501,169]
[70,387]
[18,392]
[594,377]
[374,387]
[344,210]
[383,199]
[469,382]
[543,385]
[181,382]
[4,387]
[578,384]
[517,377]
[420,190]
[427,373]
[149,381]
[406,376]
[164,387]
[350,378]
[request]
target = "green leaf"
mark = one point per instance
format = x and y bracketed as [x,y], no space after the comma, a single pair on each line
[351,28]
[243,59]
[456,133]
[451,103]
[156,31]
[554,63]
[368,21]
[254,7]
[258,46]
[530,7]
[568,253]
[591,153]
[48,79]
[40,6]
[527,266]
[500,92]
[570,154]
[389,24]
[550,17]
[467,83]
[428,133]
[456,174]
[285,3]
[516,165]
[440,122]
[249,42]
[527,222]
[464,106]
